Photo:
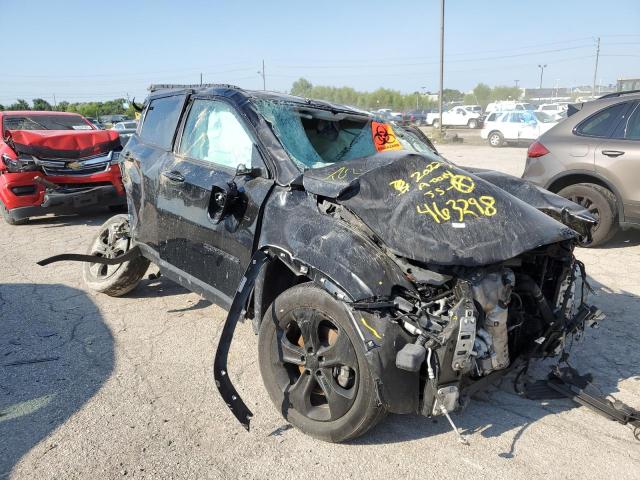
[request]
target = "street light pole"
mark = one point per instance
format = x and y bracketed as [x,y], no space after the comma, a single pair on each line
[441,64]
[541,67]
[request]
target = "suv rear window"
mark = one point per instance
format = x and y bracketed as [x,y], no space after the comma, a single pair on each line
[601,124]
[161,119]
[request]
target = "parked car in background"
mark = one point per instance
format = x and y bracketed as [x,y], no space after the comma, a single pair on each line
[95,123]
[125,130]
[415,117]
[473,108]
[56,162]
[508,105]
[593,158]
[456,117]
[519,126]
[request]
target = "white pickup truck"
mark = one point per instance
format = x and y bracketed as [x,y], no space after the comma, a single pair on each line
[457,116]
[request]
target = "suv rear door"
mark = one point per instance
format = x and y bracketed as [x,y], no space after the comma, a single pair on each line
[210,253]
[143,157]
[617,159]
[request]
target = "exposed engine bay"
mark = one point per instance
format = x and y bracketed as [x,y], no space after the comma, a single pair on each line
[468,323]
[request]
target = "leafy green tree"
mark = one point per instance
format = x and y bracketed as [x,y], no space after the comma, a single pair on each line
[41,104]
[482,95]
[301,87]
[62,106]
[505,93]
[20,104]
[1,107]
[451,95]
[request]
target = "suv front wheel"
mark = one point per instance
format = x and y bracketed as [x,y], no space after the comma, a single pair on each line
[314,368]
[601,203]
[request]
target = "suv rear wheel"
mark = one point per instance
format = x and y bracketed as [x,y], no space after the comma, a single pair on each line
[601,203]
[113,241]
[316,374]
[473,123]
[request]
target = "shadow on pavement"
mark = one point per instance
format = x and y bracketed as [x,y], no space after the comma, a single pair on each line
[624,238]
[55,353]
[89,217]
[610,353]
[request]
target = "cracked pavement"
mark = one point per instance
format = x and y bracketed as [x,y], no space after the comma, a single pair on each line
[100,387]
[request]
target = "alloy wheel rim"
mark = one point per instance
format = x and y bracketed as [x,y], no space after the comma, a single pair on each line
[315,365]
[108,245]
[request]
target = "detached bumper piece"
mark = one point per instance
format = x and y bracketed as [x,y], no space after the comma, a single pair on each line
[68,200]
[566,382]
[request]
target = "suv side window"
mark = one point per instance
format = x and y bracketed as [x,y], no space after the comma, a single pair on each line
[160,121]
[213,133]
[629,128]
[601,124]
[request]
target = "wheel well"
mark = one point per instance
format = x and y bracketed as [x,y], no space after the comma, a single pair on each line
[575,178]
[275,278]
[563,182]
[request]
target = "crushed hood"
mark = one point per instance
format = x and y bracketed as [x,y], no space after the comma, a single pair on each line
[427,209]
[63,143]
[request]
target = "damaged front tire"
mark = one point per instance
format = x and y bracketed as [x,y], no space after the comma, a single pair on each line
[112,241]
[313,367]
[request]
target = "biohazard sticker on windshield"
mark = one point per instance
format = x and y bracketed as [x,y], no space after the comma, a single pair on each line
[383,137]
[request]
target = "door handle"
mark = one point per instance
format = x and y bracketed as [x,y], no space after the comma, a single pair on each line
[174,176]
[612,153]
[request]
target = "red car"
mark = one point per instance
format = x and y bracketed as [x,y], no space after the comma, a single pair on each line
[56,162]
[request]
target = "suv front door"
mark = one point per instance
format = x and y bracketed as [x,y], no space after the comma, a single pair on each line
[617,159]
[210,251]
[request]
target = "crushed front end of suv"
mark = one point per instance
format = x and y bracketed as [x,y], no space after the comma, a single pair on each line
[56,162]
[379,276]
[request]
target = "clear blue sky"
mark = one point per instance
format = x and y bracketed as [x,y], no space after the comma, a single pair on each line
[83,50]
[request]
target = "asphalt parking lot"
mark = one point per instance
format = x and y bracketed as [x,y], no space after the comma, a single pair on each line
[100,387]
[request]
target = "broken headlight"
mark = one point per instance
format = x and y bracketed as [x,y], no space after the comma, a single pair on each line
[115,158]
[24,163]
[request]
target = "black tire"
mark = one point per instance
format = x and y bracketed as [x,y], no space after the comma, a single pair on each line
[4,211]
[113,280]
[473,123]
[327,406]
[495,139]
[602,203]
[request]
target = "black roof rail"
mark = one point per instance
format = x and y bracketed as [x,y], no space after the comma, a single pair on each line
[618,94]
[171,86]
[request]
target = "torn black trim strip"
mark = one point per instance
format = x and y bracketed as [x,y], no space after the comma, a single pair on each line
[76,257]
[220,373]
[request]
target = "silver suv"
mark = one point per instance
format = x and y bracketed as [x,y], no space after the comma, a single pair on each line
[593,158]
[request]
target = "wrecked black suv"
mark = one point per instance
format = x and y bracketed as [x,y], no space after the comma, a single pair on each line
[379,276]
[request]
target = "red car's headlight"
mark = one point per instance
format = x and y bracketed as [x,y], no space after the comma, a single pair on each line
[25,163]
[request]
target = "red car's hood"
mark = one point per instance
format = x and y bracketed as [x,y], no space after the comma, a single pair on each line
[63,143]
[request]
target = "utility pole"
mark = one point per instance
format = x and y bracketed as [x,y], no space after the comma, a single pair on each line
[441,64]
[55,105]
[200,78]
[516,82]
[595,71]
[541,67]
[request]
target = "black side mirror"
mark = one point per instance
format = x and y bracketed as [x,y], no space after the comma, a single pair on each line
[222,200]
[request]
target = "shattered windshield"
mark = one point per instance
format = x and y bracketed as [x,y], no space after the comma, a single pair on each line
[316,137]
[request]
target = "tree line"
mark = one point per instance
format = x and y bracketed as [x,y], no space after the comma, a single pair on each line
[86,109]
[482,95]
